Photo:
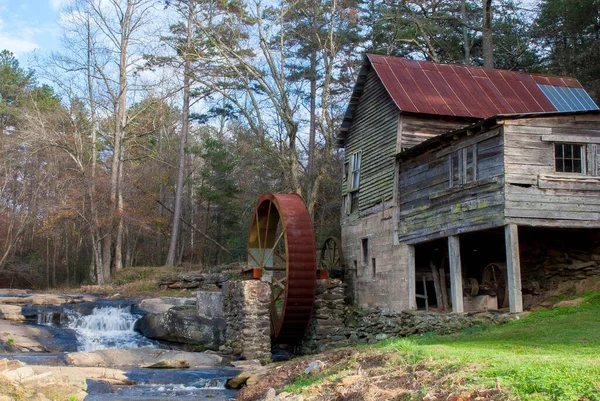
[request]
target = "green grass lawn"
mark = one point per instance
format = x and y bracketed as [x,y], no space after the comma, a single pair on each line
[549,355]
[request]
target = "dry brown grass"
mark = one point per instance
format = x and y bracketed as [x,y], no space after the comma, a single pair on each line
[136,282]
[368,375]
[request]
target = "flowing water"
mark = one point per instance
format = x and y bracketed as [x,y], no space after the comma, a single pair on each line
[107,327]
[111,325]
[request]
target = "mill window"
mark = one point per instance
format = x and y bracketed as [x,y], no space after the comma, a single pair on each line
[463,166]
[569,158]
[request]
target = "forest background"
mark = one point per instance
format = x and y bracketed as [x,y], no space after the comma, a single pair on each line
[148,137]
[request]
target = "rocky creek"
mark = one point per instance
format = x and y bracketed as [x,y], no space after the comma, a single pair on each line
[87,348]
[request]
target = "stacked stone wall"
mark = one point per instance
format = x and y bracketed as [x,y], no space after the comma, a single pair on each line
[335,324]
[554,262]
[248,332]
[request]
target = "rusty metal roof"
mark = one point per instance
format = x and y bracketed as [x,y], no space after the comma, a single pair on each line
[464,91]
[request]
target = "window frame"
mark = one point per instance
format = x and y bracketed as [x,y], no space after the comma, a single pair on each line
[582,158]
[459,168]
[354,171]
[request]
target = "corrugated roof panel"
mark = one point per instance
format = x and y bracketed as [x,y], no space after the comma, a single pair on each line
[552,94]
[457,90]
[402,98]
[452,100]
[568,99]
[532,96]
[585,97]
[496,96]
[468,92]
[432,96]
[580,103]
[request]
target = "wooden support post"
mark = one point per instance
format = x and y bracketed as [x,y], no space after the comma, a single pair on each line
[412,291]
[437,285]
[456,290]
[443,283]
[513,268]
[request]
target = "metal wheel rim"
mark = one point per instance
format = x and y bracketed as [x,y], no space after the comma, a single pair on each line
[292,273]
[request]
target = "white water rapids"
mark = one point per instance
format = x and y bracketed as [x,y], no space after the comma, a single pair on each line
[107,327]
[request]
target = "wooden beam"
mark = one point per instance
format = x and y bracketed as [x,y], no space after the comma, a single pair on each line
[513,268]
[456,290]
[570,138]
[412,292]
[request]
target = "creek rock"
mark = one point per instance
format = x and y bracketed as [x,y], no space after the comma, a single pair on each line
[11,312]
[144,357]
[183,325]
[163,304]
[20,337]
[47,381]
[193,280]
[43,299]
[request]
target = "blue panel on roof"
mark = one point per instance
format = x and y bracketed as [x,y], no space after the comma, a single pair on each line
[568,99]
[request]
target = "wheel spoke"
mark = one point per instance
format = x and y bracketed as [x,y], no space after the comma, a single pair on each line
[261,249]
[279,294]
[267,228]
[253,258]
[276,243]
[279,283]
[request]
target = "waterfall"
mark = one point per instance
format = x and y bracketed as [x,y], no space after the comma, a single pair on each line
[107,327]
[45,318]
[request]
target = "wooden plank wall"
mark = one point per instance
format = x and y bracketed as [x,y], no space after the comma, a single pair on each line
[373,132]
[429,209]
[535,194]
[416,129]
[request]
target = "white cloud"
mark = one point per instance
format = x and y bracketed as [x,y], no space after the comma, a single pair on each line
[57,4]
[15,41]
[16,45]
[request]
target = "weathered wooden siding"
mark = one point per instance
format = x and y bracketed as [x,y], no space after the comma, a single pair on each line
[535,194]
[415,129]
[429,209]
[373,133]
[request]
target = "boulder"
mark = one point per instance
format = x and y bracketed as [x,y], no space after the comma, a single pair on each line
[144,357]
[163,304]
[11,312]
[183,326]
[168,364]
[154,305]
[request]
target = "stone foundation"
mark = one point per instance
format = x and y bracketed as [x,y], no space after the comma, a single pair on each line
[556,261]
[335,324]
[248,332]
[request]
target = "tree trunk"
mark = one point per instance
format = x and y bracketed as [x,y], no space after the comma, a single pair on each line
[466,41]
[488,43]
[182,142]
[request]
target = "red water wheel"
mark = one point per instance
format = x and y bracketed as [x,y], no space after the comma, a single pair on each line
[281,243]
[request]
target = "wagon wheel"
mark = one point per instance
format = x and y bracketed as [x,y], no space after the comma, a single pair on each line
[332,258]
[494,278]
[281,243]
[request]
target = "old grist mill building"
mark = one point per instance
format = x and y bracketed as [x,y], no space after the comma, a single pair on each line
[467,188]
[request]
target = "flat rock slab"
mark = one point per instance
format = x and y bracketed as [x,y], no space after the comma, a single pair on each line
[33,338]
[44,299]
[11,312]
[141,357]
[163,304]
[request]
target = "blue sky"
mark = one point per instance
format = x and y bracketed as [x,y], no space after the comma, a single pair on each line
[29,25]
